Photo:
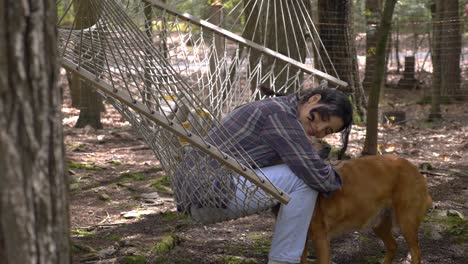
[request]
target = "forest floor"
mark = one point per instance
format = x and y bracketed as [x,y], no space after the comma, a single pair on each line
[122,210]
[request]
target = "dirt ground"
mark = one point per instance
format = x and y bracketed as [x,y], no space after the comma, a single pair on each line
[122,210]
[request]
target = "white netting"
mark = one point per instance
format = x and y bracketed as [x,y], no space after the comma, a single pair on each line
[174,83]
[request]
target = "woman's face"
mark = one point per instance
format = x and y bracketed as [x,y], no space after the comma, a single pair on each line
[316,126]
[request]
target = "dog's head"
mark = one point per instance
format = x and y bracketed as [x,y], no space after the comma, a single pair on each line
[322,148]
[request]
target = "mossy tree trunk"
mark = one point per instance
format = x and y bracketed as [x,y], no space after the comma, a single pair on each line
[34,224]
[370,144]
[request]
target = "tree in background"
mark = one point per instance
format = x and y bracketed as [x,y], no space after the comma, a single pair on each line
[451,50]
[34,224]
[436,64]
[446,51]
[84,96]
[370,144]
[335,29]
[373,11]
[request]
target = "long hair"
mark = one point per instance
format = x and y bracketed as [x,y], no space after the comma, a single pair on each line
[334,103]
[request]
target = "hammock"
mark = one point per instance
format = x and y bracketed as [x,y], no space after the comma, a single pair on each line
[175,82]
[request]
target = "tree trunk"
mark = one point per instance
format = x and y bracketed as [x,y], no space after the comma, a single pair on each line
[335,24]
[370,144]
[89,100]
[285,38]
[450,52]
[436,11]
[373,16]
[34,224]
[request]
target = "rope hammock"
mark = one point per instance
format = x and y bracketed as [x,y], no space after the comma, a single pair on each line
[174,76]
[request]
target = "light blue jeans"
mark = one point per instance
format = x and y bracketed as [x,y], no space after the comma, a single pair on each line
[293,219]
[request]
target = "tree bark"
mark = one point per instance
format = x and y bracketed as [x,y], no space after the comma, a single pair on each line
[436,11]
[335,29]
[86,98]
[370,144]
[373,14]
[450,52]
[33,202]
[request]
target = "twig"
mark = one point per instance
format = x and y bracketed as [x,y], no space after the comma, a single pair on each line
[129,187]
[434,173]
[105,219]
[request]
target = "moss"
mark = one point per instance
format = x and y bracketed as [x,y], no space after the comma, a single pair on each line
[138,259]
[454,226]
[75,145]
[154,169]
[172,260]
[82,166]
[428,99]
[82,233]
[458,228]
[162,184]
[115,162]
[128,177]
[166,244]
[374,259]
[104,197]
[77,248]
[426,166]
[112,238]
[261,241]
[173,216]
[229,259]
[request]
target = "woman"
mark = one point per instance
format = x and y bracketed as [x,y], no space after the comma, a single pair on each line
[278,130]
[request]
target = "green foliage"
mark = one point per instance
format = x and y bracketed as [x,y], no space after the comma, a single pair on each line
[128,177]
[65,16]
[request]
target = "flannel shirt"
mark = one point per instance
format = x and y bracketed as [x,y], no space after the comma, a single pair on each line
[269,131]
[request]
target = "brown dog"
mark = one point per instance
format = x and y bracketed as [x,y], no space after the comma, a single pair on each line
[378,192]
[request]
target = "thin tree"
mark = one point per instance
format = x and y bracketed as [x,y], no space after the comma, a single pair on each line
[33,205]
[370,144]
[436,11]
[373,15]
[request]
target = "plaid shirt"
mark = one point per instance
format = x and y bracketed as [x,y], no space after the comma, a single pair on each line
[269,131]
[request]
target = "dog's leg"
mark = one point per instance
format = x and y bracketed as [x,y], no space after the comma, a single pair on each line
[320,240]
[304,253]
[409,229]
[384,231]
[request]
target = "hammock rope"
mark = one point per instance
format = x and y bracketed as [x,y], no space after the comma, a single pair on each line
[176,86]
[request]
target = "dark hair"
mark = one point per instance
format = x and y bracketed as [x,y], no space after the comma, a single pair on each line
[335,103]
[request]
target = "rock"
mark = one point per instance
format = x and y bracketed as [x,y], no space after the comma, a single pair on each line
[152,195]
[137,213]
[452,212]
[106,252]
